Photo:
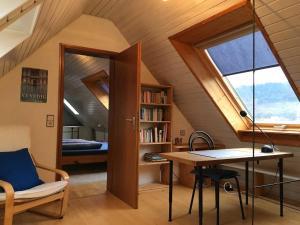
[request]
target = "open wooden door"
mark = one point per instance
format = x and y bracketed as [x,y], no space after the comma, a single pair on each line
[124,95]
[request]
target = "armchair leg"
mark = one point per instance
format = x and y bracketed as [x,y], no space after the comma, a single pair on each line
[64,202]
[8,212]
[193,194]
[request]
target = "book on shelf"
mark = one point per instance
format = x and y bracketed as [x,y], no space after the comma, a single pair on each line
[154,97]
[154,134]
[152,114]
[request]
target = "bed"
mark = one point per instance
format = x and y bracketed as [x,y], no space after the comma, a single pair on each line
[80,151]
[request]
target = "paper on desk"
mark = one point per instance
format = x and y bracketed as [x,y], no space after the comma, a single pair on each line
[227,153]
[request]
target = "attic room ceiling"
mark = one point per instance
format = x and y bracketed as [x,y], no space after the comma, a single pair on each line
[91,111]
[158,20]
[152,22]
[54,16]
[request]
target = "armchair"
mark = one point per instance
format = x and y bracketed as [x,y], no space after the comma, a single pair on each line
[15,202]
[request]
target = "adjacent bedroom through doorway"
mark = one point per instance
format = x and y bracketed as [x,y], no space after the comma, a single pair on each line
[85,122]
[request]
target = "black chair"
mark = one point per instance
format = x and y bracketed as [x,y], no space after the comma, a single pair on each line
[215,174]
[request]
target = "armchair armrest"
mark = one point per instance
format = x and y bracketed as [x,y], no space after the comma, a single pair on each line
[64,175]
[8,190]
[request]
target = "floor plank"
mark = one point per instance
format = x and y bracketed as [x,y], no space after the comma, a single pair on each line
[105,209]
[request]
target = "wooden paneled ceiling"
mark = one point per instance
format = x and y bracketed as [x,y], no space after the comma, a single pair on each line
[53,17]
[152,22]
[91,112]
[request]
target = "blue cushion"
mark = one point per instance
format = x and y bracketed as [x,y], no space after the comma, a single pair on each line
[17,168]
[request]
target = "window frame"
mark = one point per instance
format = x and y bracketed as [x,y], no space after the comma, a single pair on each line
[240,103]
[189,44]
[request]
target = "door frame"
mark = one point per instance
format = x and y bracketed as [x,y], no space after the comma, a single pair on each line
[66,48]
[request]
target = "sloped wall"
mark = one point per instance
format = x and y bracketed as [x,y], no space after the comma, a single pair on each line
[86,31]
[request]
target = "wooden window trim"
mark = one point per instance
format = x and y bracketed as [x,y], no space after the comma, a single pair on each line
[99,93]
[186,42]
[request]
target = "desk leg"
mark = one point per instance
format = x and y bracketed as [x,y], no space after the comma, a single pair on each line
[170,189]
[247,181]
[280,165]
[200,189]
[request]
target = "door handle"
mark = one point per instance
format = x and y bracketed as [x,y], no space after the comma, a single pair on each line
[132,120]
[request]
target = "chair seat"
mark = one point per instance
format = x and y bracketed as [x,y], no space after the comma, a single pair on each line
[218,174]
[38,191]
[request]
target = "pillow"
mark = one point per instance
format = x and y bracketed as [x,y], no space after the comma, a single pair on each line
[17,168]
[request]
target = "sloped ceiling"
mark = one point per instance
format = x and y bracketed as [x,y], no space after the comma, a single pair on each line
[54,16]
[91,111]
[152,22]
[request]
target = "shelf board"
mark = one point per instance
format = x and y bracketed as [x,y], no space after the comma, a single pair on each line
[149,121]
[152,187]
[155,86]
[145,163]
[156,143]
[155,104]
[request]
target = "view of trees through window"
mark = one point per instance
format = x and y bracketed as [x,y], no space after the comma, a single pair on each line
[275,100]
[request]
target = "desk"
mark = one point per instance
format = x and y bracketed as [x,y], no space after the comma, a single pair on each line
[199,162]
[186,178]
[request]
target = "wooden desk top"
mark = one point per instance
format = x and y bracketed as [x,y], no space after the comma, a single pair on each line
[197,145]
[198,160]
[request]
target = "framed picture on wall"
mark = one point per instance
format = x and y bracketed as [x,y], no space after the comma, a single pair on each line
[34,85]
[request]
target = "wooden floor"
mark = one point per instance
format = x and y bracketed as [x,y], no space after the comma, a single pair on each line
[104,209]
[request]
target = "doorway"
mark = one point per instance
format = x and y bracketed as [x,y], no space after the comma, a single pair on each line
[123,114]
[84,137]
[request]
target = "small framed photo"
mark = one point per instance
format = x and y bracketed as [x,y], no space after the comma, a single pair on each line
[50,120]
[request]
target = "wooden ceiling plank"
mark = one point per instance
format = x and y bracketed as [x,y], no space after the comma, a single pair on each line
[33,40]
[291,23]
[182,22]
[268,8]
[171,18]
[61,12]
[103,4]
[92,4]
[97,5]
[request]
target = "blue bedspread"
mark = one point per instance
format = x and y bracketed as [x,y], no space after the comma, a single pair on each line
[83,147]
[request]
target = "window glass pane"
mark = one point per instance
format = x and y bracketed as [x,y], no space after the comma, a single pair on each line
[275,100]
[235,56]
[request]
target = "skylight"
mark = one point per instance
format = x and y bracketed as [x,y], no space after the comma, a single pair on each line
[275,100]
[9,5]
[18,31]
[70,107]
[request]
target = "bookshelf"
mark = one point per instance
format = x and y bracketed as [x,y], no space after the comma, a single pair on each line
[155,125]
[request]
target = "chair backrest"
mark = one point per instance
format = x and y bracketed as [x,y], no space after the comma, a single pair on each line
[14,138]
[202,136]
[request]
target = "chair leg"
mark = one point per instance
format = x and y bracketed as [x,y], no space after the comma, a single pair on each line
[64,202]
[240,197]
[217,194]
[193,194]
[216,204]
